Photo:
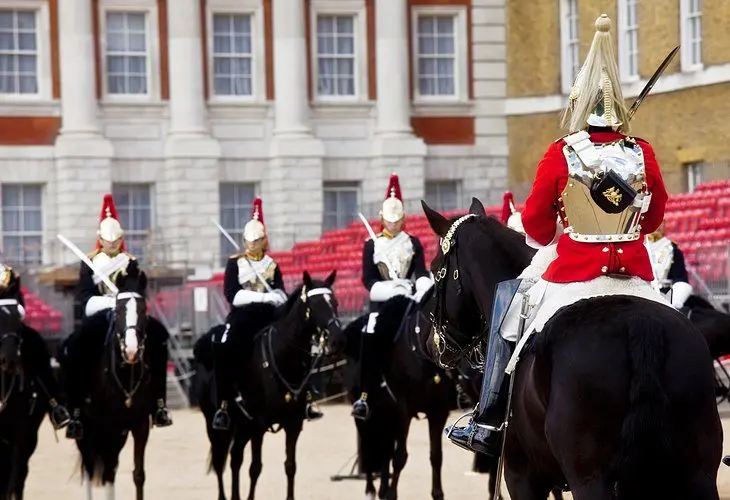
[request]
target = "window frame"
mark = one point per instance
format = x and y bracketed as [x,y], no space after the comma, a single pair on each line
[116,186]
[337,187]
[22,233]
[152,39]
[686,63]
[566,45]
[44,73]
[461,62]
[351,8]
[254,9]
[235,233]
[623,46]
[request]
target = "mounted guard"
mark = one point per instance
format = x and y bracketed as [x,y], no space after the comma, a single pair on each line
[609,195]
[670,271]
[254,287]
[98,301]
[393,265]
[33,347]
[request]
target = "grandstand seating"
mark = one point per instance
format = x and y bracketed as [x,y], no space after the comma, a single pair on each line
[41,316]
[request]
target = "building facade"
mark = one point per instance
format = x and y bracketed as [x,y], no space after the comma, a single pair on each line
[187,109]
[683,117]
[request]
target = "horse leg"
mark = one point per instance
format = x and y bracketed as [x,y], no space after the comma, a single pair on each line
[435,427]
[87,487]
[492,478]
[254,470]
[239,444]
[220,441]
[292,436]
[140,434]
[523,485]
[384,480]
[400,457]
[369,486]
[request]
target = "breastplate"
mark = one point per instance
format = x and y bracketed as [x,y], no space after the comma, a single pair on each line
[398,252]
[584,220]
[661,253]
[247,269]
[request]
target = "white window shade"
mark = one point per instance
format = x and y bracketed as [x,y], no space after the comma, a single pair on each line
[336,59]
[19,52]
[233,54]
[127,60]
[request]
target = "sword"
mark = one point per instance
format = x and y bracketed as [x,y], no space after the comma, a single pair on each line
[81,255]
[650,84]
[387,263]
[227,236]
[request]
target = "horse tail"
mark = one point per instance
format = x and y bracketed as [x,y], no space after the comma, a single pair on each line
[645,455]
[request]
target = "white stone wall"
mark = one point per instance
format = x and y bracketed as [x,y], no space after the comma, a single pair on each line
[287,148]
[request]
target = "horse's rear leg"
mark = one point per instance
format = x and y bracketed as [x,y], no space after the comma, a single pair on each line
[220,441]
[239,444]
[435,427]
[140,434]
[525,486]
[290,465]
[254,470]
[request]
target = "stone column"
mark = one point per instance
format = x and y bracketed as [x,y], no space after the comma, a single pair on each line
[83,155]
[290,69]
[188,191]
[391,29]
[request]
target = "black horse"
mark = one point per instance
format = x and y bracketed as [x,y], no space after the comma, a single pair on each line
[273,383]
[122,397]
[414,385]
[21,410]
[615,397]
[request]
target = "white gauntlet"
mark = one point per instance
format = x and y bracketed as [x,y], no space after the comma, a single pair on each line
[423,285]
[384,290]
[244,297]
[681,291]
[99,303]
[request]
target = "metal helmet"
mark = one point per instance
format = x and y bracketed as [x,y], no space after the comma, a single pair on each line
[255,228]
[110,229]
[393,209]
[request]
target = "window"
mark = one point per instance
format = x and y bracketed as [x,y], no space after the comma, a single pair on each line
[691,31]
[233,55]
[340,205]
[134,207]
[442,195]
[22,223]
[236,202]
[695,174]
[436,55]
[336,64]
[18,52]
[628,40]
[127,62]
[569,42]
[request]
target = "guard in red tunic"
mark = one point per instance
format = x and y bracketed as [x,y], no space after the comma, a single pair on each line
[597,193]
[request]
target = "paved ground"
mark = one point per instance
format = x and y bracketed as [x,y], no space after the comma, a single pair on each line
[177,456]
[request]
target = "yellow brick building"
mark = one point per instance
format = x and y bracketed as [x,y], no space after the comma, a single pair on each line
[686,115]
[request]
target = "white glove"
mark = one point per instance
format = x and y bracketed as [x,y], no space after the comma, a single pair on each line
[559,229]
[423,285]
[384,290]
[275,297]
[244,297]
[21,311]
[99,303]
[681,291]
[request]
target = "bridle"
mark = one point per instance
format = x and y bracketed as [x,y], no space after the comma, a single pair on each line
[445,334]
[135,383]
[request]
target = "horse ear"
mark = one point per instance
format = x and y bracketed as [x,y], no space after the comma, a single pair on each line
[438,222]
[331,278]
[307,279]
[477,208]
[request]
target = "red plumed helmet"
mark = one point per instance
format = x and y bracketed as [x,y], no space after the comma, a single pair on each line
[110,229]
[255,228]
[393,209]
[394,188]
[508,206]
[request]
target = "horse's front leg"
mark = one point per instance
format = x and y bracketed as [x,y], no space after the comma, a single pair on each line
[369,486]
[400,457]
[436,424]
[240,440]
[141,434]
[254,470]
[292,436]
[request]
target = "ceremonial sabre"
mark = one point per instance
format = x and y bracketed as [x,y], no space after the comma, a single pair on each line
[650,84]
[237,247]
[374,237]
[81,255]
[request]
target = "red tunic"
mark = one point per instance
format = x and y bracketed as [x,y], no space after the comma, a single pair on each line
[580,261]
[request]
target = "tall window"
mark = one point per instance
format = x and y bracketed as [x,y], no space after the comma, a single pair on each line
[22,212]
[436,55]
[442,195]
[691,30]
[236,202]
[340,205]
[126,53]
[134,207]
[695,174]
[628,39]
[570,42]
[336,55]
[18,52]
[232,55]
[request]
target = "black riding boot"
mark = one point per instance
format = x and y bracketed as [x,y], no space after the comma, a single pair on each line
[368,376]
[485,427]
[311,412]
[77,392]
[161,417]
[223,381]
[58,413]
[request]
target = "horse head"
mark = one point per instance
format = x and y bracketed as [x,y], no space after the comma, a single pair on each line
[130,316]
[11,340]
[475,253]
[320,305]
